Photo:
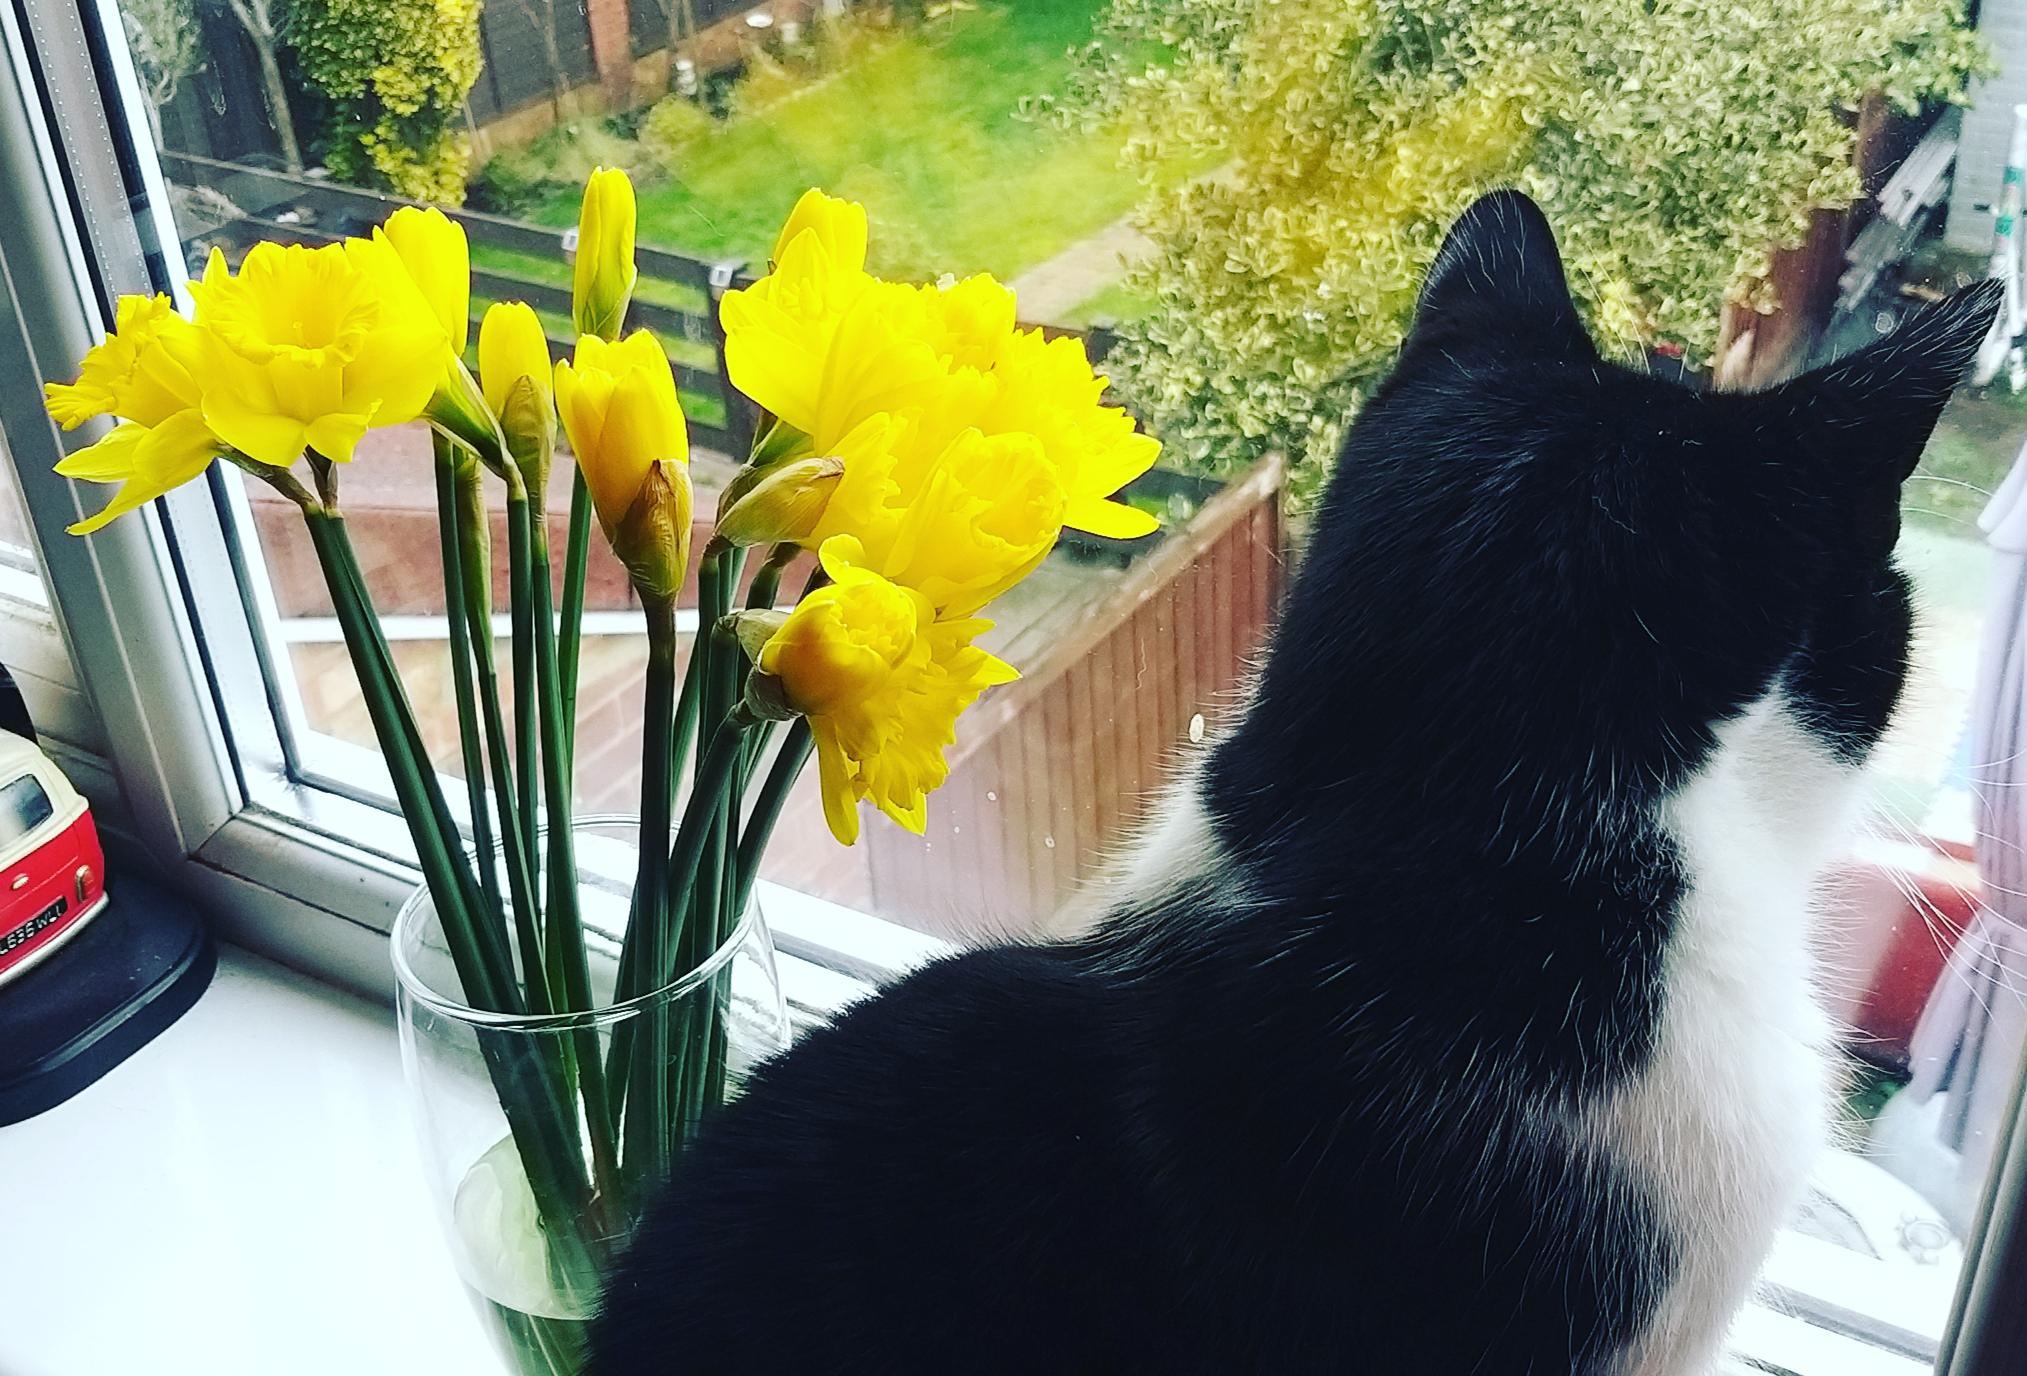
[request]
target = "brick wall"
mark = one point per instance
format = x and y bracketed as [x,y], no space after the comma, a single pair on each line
[1988,126]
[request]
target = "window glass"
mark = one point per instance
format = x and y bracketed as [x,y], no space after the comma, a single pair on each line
[20,575]
[1173,234]
[763,101]
[24,806]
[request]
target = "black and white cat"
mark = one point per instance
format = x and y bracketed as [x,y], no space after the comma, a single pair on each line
[1455,1018]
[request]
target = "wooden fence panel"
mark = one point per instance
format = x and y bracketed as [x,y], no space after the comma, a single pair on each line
[514,62]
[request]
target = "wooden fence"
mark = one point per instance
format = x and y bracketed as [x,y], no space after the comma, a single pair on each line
[1054,770]
[260,203]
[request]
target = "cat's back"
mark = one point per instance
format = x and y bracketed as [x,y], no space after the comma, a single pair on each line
[934,1183]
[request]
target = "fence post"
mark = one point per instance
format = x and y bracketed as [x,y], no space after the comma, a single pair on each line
[742,417]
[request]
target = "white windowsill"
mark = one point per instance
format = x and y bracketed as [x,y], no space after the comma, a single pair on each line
[243,1195]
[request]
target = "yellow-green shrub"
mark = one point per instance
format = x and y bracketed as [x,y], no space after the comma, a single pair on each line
[396,73]
[1674,144]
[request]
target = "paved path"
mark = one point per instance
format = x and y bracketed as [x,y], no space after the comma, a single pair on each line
[1051,289]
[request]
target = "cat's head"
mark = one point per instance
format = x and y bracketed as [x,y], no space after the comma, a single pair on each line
[1538,574]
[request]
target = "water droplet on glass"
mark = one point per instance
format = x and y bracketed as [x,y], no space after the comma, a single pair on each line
[1049,841]
[1196,728]
[991,795]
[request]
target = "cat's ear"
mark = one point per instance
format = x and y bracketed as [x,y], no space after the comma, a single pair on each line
[1499,269]
[1876,407]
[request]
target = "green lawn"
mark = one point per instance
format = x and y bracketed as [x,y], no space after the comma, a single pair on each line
[919,125]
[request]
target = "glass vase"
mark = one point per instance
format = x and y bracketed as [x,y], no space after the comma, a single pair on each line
[534,1202]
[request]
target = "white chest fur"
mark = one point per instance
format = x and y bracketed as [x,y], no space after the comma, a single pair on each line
[1727,1118]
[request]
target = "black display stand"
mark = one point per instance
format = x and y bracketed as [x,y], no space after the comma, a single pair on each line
[106,993]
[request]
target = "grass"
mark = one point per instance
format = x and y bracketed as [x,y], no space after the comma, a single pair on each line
[1973,446]
[1108,306]
[921,126]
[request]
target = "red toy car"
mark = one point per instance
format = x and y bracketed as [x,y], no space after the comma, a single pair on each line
[52,869]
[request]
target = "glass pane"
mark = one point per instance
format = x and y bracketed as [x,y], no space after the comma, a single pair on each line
[1929,962]
[1229,315]
[24,806]
[1049,775]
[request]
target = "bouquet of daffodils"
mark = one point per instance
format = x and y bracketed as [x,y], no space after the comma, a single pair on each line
[921,445]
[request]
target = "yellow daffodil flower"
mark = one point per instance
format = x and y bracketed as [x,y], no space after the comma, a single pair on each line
[602,283]
[431,248]
[972,320]
[146,372]
[960,525]
[619,408]
[806,343]
[512,345]
[882,681]
[303,347]
[421,266]
[146,460]
[1047,389]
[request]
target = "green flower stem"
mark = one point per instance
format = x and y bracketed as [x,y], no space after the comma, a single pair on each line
[696,897]
[527,756]
[767,806]
[569,969]
[761,596]
[570,636]
[711,601]
[767,582]
[648,1087]
[475,537]
[472,754]
[531,1090]
[720,759]
[488,976]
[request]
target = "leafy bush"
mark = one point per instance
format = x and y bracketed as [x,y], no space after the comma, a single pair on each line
[516,180]
[509,183]
[396,73]
[1674,143]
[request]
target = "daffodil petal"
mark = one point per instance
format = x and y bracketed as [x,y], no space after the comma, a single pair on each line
[267,435]
[1114,520]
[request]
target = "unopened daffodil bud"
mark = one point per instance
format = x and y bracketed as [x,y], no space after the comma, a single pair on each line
[768,506]
[514,372]
[838,224]
[602,285]
[619,409]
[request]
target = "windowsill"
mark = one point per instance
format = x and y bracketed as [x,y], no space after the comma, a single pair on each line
[244,1195]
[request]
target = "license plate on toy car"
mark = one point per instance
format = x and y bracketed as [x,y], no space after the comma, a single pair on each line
[27,931]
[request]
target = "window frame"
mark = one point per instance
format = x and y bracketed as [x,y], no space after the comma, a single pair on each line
[174,727]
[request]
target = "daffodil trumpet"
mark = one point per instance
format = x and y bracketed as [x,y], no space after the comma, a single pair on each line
[924,449]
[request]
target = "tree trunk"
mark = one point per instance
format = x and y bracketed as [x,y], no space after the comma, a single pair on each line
[559,84]
[255,17]
[278,105]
